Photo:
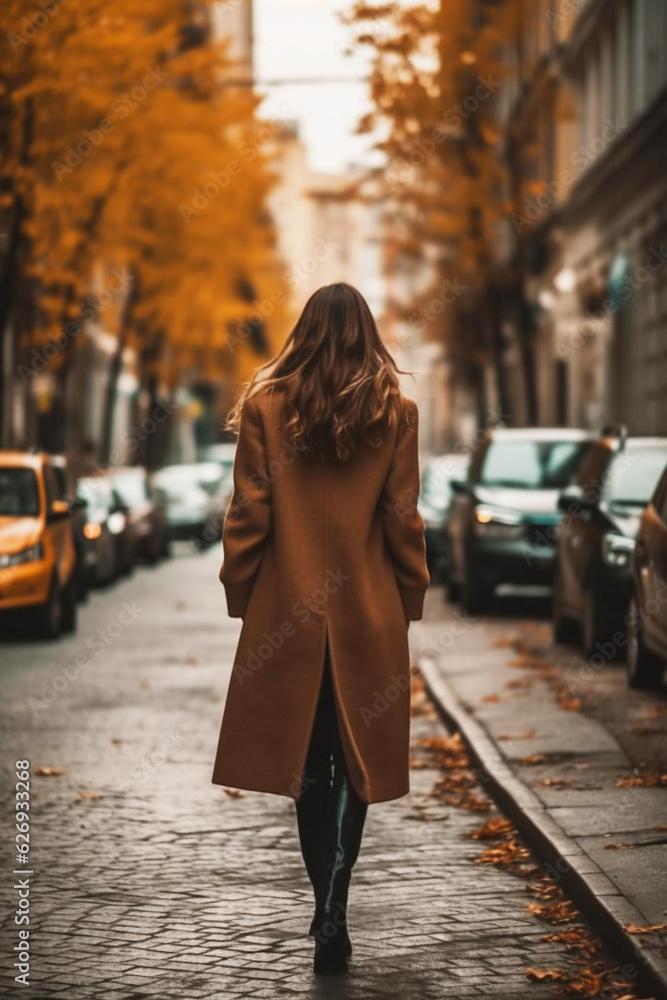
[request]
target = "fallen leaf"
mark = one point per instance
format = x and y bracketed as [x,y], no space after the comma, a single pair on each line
[581,765]
[559,912]
[527,734]
[619,847]
[48,771]
[192,661]
[144,686]
[532,662]
[647,731]
[648,929]
[520,682]
[116,740]
[654,711]
[555,782]
[505,642]
[571,704]
[235,793]
[493,828]
[90,795]
[648,780]
[545,975]
[492,699]
[533,758]
[508,855]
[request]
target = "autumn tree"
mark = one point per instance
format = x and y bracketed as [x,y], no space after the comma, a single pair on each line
[134,185]
[438,71]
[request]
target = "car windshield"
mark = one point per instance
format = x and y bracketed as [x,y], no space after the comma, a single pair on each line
[532,465]
[436,490]
[133,489]
[206,476]
[19,496]
[633,476]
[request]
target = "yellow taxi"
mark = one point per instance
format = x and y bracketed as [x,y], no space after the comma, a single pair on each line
[37,554]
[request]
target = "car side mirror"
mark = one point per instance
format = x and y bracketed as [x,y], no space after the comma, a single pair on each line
[573,500]
[58,511]
[459,487]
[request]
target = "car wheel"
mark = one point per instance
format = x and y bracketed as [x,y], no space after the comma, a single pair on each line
[645,669]
[49,616]
[155,551]
[565,630]
[69,606]
[477,595]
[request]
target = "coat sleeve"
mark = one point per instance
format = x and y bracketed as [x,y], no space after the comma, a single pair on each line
[248,519]
[402,522]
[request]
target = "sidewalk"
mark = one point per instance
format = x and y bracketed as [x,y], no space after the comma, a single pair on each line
[556,773]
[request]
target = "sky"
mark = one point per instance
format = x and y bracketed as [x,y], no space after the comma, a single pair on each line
[305,39]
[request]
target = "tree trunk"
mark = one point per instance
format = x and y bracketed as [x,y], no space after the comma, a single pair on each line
[113,374]
[525,334]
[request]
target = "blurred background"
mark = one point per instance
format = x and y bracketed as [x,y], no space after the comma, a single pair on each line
[178,176]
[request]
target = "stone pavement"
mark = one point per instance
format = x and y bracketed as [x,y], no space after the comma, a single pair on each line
[151,882]
[534,724]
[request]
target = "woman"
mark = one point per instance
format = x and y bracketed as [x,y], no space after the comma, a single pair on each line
[324,560]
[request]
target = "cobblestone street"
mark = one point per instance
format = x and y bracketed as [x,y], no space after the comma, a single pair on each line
[151,882]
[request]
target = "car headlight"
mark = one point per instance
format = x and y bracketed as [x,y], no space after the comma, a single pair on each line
[116,522]
[32,554]
[497,522]
[616,549]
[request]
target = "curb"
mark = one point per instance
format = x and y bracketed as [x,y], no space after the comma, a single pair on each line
[565,859]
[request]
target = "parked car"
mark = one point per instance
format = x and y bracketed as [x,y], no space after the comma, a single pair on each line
[222,453]
[37,554]
[646,651]
[504,516]
[601,515]
[145,511]
[108,528]
[194,496]
[435,497]
[66,492]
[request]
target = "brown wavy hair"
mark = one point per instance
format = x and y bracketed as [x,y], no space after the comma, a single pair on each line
[339,381]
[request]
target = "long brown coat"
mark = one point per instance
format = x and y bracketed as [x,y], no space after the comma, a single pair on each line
[317,552]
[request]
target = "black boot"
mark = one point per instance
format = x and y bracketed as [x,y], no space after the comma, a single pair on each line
[342,839]
[311,814]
